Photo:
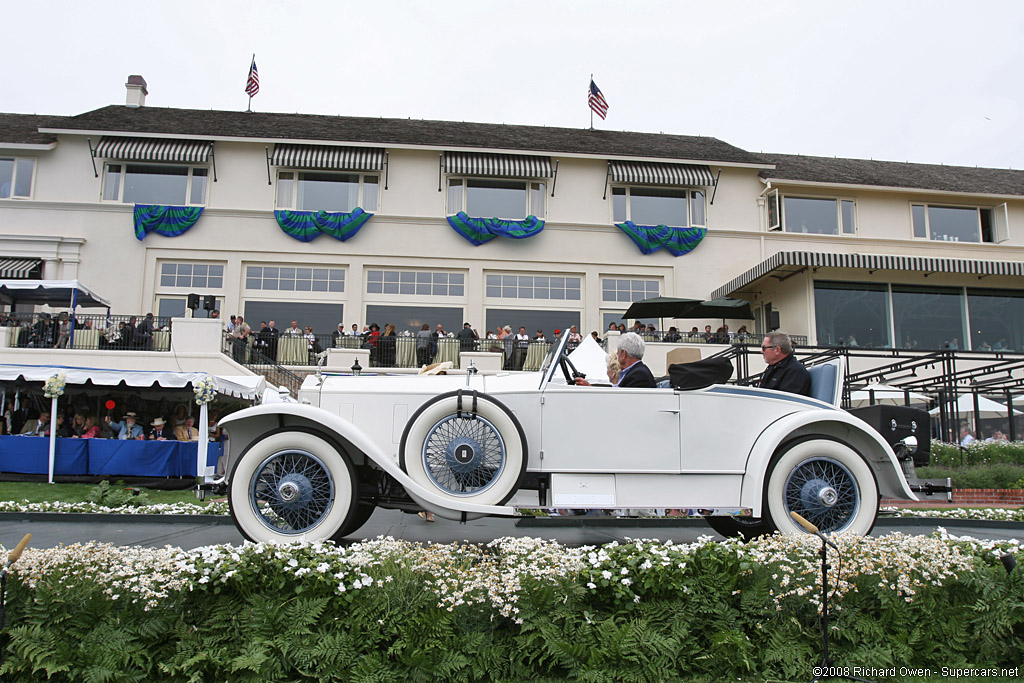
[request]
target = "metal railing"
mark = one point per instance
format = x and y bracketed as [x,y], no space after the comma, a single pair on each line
[87,332]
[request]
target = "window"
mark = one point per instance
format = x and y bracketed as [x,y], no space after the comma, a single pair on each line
[323,317]
[318,191]
[658,206]
[412,318]
[852,314]
[488,198]
[174,307]
[928,317]
[997,319]
[16,177]
[512,286]
[415,283]
[622,290]
[958,223]
[155,184]
[811,215]
[192,275]
[295,279]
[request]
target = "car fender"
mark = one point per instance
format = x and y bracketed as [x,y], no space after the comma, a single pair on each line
[245,426]
[834,423]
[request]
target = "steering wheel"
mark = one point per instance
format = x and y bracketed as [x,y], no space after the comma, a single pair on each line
[569,370]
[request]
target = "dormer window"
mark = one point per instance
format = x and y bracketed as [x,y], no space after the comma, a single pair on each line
[811,215]
[505,186]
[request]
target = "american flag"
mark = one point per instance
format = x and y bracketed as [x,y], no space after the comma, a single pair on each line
[252,86]
[598,104]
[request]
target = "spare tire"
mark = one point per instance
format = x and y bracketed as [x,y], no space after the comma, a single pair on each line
[466,447]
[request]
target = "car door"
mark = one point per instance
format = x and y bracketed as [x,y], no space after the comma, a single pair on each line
[607,429]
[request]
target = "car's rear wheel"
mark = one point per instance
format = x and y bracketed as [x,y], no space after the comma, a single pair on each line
[466,447]
[827,483]
[294,485]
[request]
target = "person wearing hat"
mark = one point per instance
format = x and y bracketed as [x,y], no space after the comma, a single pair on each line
[162,430]
[126,429]
[467,338]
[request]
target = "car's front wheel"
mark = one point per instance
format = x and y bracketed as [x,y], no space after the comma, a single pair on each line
[294,485]
[827,483]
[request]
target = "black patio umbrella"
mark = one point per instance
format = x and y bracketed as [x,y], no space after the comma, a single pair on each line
[733,309]
[659,307]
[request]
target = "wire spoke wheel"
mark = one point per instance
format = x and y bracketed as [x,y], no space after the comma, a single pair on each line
[464,455]
[292,491]
[824,492]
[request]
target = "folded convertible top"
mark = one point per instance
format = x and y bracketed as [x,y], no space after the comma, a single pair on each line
[700,374]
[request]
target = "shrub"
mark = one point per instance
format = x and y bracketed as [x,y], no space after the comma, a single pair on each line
[515,609]
[996,476]
[977,453]
[118,495]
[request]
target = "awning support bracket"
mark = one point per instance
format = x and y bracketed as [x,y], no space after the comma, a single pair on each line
[92,156]
[554,179]
[440,171]
[607,178]
[213,160]
[266,148]
[715,191]
[387,168]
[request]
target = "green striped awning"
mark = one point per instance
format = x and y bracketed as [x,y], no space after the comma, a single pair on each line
[651,173]
[17,268]
[154,149]
[497,165]
[328,157]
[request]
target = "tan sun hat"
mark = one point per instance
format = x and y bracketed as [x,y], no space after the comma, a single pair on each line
[436,368]
[158,422]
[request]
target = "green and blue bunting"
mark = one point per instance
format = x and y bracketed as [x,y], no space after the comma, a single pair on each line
[169,221]
[308,225]
[651,238]
[480,230]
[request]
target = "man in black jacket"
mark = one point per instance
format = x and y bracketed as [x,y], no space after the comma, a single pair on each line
[634,373]
[784,372]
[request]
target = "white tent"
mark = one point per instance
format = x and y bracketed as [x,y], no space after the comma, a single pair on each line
[988,407]
[883,394]
[58,293]
[239,386]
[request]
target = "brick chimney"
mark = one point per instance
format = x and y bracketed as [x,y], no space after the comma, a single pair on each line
[137,92]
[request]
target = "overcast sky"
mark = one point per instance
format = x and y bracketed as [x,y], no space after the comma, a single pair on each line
[927,81]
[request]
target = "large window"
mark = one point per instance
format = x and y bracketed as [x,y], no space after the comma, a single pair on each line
[415,283]
[295,279]
[852,314]
[155,184]
[487,198]
[953,223]
[513,286]
[997,319]
[658,206]
[323,317]
[532,320]
[811,215]
[16,177]
[928,317]
[412,318]
[616,290]
[192,275]
[318,191]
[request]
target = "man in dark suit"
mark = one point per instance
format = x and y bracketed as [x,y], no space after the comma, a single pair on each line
[634,373]
[784,372]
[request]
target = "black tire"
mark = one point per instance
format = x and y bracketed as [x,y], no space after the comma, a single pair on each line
[291,485]
[825,481]
[747,528]
[466,447]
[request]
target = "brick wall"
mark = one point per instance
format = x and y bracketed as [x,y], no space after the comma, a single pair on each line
[994,497]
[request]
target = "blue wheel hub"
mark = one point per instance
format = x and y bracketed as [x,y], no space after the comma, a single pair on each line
[825,492]
[463,455]
[294,491]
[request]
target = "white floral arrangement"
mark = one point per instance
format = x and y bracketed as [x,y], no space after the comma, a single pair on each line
[406,333]
[54,386]
[205,390]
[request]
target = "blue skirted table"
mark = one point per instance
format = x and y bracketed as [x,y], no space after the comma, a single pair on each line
[103,457]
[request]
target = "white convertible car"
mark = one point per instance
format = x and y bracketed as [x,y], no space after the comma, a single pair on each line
[463,446]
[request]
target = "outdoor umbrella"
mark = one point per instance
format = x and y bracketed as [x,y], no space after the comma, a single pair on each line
[658,307]
[988,407]
[734,309]
[883,393]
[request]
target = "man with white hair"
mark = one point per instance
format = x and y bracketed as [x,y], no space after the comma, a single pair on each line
[630,356]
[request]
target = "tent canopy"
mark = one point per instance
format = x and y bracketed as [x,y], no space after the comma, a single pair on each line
[57,293]
[988,407]
[239,386]
[884,394]
[668,307]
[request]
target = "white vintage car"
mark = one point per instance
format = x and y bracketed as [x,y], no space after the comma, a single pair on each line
[468,445]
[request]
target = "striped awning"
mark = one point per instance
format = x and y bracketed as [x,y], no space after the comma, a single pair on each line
[17,268]
[153,149]
[497,165]
[649,173]
[329,158]
[807,259]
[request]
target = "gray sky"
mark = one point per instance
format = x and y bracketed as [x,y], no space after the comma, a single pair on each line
[926,81]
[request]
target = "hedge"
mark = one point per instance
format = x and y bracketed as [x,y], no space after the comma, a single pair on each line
[511,610]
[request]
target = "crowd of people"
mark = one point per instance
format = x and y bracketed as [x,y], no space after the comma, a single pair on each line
[82,423]
[54,331]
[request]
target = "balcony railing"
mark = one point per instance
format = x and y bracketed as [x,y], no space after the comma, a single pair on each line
[86,332]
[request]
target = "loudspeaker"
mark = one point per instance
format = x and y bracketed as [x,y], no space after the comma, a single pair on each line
[898,422]
[773,320]
[209,302]
[193,301]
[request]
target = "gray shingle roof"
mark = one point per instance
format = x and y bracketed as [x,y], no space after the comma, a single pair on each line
[896,174]
[23,128]
[349,129]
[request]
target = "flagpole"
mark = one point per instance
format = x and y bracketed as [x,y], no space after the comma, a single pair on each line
[249,108]
[588,100]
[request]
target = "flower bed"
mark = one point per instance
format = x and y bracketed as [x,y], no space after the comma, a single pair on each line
[513,609]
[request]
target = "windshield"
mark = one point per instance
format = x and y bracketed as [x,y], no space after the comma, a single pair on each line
[550,365]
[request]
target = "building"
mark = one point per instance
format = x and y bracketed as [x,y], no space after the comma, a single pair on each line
[502,224]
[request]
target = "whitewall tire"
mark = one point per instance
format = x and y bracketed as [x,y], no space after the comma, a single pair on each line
[826,482]
[466,447]
[293,485]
